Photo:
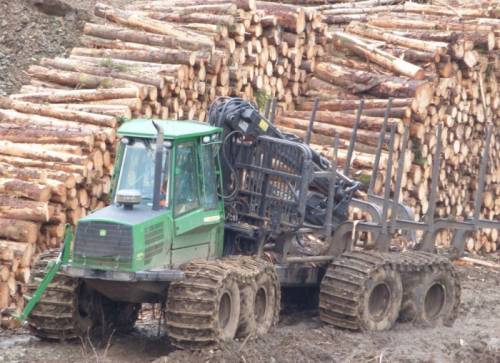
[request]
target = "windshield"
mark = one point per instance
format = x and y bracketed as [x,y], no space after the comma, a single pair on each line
[137,171]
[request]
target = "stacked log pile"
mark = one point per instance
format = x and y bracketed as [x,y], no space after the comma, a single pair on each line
[164,59]
[441,66]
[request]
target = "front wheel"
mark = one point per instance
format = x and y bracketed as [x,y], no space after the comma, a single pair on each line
[64,311]
[68,309]
[204,308]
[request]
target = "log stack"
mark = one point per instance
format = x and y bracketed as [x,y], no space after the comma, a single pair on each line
[164,59]
[441,66]
[171,59]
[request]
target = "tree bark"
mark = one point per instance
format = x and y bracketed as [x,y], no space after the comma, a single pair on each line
[21,134]
[373,32]
[344,119]
[108,69]
[26,210]
[18,230]
[378,56]
[130,19]
[77,96]
[17,118]
[24,189]
[49,165]
[51,111]
[111,32]
[375,84]
[41,175]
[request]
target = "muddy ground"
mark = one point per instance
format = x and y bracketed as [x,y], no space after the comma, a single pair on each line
[301,337]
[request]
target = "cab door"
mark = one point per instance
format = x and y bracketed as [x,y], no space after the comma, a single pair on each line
[196,209]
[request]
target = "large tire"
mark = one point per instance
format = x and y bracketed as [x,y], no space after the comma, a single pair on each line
[68,309]
[361,291]
[260,301]
[266,302]
[204,308]
[57,315]
[431,296]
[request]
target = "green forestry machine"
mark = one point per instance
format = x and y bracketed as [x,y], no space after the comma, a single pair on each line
[212,220]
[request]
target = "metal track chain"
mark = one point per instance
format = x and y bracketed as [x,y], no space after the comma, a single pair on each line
[53,316]
[192,310]
[343,285]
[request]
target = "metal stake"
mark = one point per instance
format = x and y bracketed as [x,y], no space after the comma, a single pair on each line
[331,190]
[399,179]
[311,121]
[353,137]
[380,143]
[482,172]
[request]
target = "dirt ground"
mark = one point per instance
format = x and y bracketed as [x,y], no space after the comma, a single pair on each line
[28,34]
[301,337]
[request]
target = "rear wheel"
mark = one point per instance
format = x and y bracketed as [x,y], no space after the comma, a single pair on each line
[266,302]
[260,302]
[360,291]
[432,296]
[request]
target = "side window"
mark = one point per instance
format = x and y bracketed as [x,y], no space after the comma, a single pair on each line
[186,192]
[208,163]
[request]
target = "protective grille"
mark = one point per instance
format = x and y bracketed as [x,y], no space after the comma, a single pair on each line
[103,240]
[273,181]
[154,240]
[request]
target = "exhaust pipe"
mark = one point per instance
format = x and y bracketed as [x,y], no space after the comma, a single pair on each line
[158,166]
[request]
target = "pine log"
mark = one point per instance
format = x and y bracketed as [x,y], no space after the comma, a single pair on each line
[21,134]
[76,96]
[344,119]
[24,189]
[377,33]
[304,104]
[108,31]
[100,133]
[49,165]
[19,150]
[288,17]
[375,84]
[364,136]
[377,56]
[51,111]
[130,19]
[40,175]
[136,74]
[4,295]
[117,111]
[163,55]
[80,79]
[18,230]
[21,209]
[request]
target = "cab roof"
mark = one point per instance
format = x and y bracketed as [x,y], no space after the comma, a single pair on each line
[144,128]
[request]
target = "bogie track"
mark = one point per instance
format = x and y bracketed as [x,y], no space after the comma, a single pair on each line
[56,315]
[364,290]
[68,309]
[220,299]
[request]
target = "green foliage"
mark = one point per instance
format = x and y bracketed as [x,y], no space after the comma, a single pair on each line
[417,153]
[365,180]
[110,64]
[261,99]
